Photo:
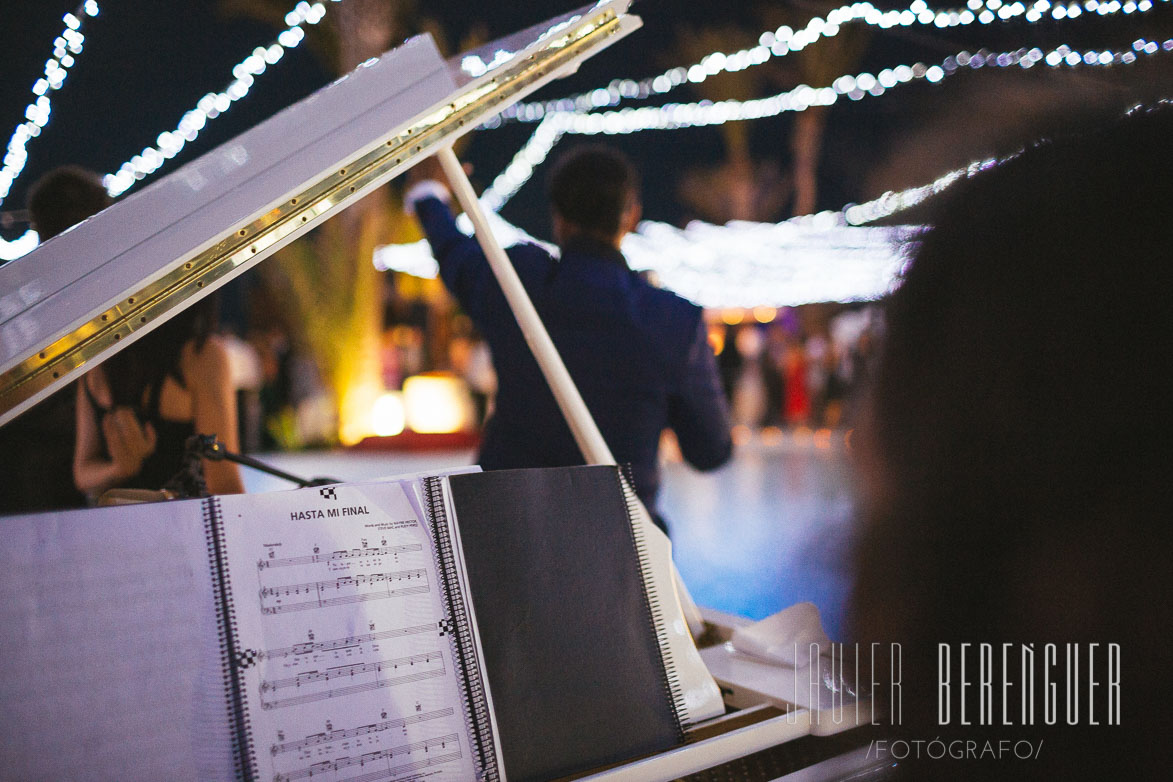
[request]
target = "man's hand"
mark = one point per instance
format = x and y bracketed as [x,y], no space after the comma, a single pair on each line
[128,441]
[427,180]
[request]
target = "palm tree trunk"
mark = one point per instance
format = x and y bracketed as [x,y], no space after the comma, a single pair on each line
[365,30]
[806,144]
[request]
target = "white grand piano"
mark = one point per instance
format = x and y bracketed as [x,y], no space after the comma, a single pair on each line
[91,291]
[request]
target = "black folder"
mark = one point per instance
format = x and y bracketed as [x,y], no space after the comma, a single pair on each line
[567,626]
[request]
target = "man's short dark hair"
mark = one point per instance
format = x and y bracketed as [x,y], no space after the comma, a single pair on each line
[63,198]
[590,186]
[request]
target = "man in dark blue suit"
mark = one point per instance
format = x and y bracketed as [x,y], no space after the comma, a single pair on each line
[638,354]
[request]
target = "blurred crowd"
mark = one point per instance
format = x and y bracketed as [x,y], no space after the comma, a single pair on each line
[801,369]
[796,370]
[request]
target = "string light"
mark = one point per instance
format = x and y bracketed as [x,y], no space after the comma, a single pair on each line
[784,40]
[890,203]
[169,143]
[10,251]
[521,168]
[66,48]
[808,259]
[416,259]
[476,67]
[855,87]
[569,115]
[804,260]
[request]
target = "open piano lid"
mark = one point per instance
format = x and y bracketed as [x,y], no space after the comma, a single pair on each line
[83,295]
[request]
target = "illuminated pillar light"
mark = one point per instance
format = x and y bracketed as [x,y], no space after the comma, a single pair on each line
[436,403]
[741,435]
[772,436]
[388,416]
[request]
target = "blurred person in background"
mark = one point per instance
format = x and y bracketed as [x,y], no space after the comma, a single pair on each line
[137,409]
[795,372]
[639,355]
[1015,483]
[36,448]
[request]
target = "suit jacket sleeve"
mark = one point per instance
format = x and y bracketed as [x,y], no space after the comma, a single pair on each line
[463,267]
[698,412]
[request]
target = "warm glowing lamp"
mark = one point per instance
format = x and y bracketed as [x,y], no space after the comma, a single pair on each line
[436,403]
[388,417]
[764,314]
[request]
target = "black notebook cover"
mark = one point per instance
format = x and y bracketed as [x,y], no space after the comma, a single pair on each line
[574,668]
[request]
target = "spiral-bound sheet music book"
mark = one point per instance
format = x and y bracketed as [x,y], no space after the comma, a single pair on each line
[463,627]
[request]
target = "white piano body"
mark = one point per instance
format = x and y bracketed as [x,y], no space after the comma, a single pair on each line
[89,292]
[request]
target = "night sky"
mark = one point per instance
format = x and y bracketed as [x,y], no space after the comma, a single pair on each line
[146,62]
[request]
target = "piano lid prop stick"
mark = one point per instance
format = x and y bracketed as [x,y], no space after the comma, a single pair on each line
[574,410]
[582,424]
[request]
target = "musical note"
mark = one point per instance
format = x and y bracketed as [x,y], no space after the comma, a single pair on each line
[411,673]
[364,730]
[320,594]
[382,756]
[343,671]
[336,556]
[310,647]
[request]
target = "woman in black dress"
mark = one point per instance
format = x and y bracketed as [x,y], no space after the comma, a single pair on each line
[136,411]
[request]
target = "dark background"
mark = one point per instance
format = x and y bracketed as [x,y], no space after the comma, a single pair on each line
[146,62]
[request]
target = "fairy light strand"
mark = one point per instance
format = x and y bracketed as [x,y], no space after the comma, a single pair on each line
[170,142]
[891,203]
[572,115]
[807,259]
[854,87]
[784,40]
[67,47]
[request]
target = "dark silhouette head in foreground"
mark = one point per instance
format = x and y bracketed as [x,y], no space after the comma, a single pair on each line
[64,197]
[1014,452]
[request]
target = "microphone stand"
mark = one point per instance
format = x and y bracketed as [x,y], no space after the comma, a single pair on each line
[206,446]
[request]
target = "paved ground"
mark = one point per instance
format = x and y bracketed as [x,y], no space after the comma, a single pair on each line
[768,530]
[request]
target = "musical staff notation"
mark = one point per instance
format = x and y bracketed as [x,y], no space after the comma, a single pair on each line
[342,591]
[318,739]
[411,667]
[441,743]
[337,556]
[309,647]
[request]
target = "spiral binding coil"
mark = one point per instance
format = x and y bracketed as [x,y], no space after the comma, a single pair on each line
[476,702]
[237,706]
[670,680]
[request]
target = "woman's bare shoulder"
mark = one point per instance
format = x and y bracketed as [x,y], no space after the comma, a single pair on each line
[209,360]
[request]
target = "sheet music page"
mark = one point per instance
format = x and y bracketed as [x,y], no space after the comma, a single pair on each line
[109,658]
[341,628]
